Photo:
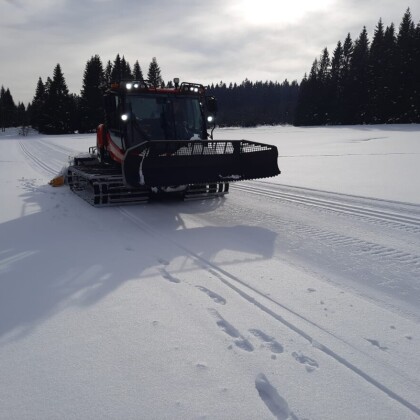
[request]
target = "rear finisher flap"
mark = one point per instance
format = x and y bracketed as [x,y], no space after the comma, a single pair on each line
[168,163]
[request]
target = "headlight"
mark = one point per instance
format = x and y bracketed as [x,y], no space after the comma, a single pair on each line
[124,117]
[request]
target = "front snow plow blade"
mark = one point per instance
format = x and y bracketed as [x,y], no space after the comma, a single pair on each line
[164,163]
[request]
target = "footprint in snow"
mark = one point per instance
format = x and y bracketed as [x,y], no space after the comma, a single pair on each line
[376,344]
[268,341]
[201,366]
[163,262]
[310,364]
[217,298]
[272,399]
[230,330]
[168,276]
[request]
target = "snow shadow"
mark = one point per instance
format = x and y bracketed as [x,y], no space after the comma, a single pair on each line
[64,253]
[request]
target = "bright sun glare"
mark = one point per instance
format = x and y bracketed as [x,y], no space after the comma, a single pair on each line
[260,12]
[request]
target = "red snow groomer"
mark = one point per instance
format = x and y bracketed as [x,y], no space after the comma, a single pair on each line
[156,140]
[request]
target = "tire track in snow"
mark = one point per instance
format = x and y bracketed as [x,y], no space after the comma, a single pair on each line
[265,304]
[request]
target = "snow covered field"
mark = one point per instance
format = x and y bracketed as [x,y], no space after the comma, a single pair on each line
[296,297]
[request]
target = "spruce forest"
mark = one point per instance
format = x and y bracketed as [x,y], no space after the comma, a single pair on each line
[361,82]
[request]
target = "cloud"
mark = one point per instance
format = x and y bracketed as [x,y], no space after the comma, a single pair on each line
[209,41]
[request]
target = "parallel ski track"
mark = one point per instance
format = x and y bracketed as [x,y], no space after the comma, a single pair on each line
[45,168]
[41,147]
[263,302]
[59,148]
[411,221]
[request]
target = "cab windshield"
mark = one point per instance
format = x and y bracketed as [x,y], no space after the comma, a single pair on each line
[166,117]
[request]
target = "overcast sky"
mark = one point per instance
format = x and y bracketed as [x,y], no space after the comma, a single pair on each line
[201,41]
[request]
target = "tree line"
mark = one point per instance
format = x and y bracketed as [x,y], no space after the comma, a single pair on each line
[362,82]
[365,82]
[11,115]
[54,110]
[255,103]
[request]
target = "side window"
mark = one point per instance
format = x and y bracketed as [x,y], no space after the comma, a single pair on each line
[193,112]
[113,106]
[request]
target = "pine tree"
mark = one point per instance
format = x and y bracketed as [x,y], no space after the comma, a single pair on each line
[125,70]
[47,86]
[390,84]
[38,118]
[337,64]
[91,101]
[116,72]
[406,70]
[348,48]
[154,77]
[316,93]
[416,87]
[21,118]
[137,73]
[346,83]
[74,111]
[325,89]
[58,104]
[2,110]
[7,109]
[377,71]
[108,73]
[308,107]
[358,93]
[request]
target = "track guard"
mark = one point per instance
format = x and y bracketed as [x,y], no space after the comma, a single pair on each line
[164,163]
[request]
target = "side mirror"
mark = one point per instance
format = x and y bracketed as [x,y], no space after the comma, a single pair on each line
[211,104]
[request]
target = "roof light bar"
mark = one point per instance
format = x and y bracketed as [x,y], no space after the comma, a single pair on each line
[130,85]
[191,88]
